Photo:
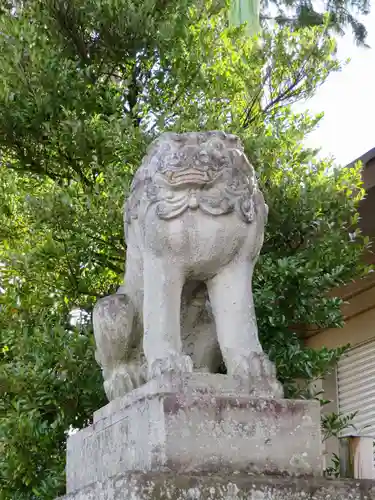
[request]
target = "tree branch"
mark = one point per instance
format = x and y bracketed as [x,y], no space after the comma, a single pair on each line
[133,94]
[291,87]
[182,91]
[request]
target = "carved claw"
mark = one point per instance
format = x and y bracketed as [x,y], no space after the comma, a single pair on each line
[118,384]
[122,379]
[260,372]
[172,363]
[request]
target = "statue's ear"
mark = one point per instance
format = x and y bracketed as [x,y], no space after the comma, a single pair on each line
[240,161]
[234,157]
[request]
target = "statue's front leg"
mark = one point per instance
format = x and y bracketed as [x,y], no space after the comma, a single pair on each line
[232,304]
[163,281]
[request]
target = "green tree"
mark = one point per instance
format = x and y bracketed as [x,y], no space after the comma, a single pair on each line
[85,87]
[307,13]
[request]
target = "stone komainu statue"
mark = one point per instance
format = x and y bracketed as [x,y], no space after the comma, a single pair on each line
[194,226]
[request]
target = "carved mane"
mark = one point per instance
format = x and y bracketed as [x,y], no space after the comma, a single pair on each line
[209,169]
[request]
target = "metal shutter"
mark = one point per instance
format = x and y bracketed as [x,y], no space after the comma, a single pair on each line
[356,388]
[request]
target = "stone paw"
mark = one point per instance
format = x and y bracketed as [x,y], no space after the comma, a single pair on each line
[260,372]
[122,380]
[254,365]
[173,363]
[276,389]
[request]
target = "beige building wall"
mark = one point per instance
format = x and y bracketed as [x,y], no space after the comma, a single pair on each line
[359,328]
[359,303]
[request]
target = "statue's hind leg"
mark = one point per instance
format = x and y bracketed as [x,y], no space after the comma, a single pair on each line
[198,333]
[118,345]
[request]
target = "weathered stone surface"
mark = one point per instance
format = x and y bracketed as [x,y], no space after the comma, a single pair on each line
[182,383]
[194,225]
[169,486]
[196,427]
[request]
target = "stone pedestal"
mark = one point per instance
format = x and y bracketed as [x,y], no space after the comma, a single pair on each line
[168,486]
[195,424]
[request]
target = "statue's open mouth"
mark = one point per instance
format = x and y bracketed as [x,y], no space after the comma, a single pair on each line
[189,176]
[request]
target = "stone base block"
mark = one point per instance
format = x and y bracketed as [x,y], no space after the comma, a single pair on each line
[169,486]
[200,423]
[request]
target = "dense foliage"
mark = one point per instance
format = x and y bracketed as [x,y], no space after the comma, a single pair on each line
[85,86]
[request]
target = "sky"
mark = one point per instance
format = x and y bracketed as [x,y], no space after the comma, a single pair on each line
[347,99]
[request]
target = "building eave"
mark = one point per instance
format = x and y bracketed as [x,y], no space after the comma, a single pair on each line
[365,158]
